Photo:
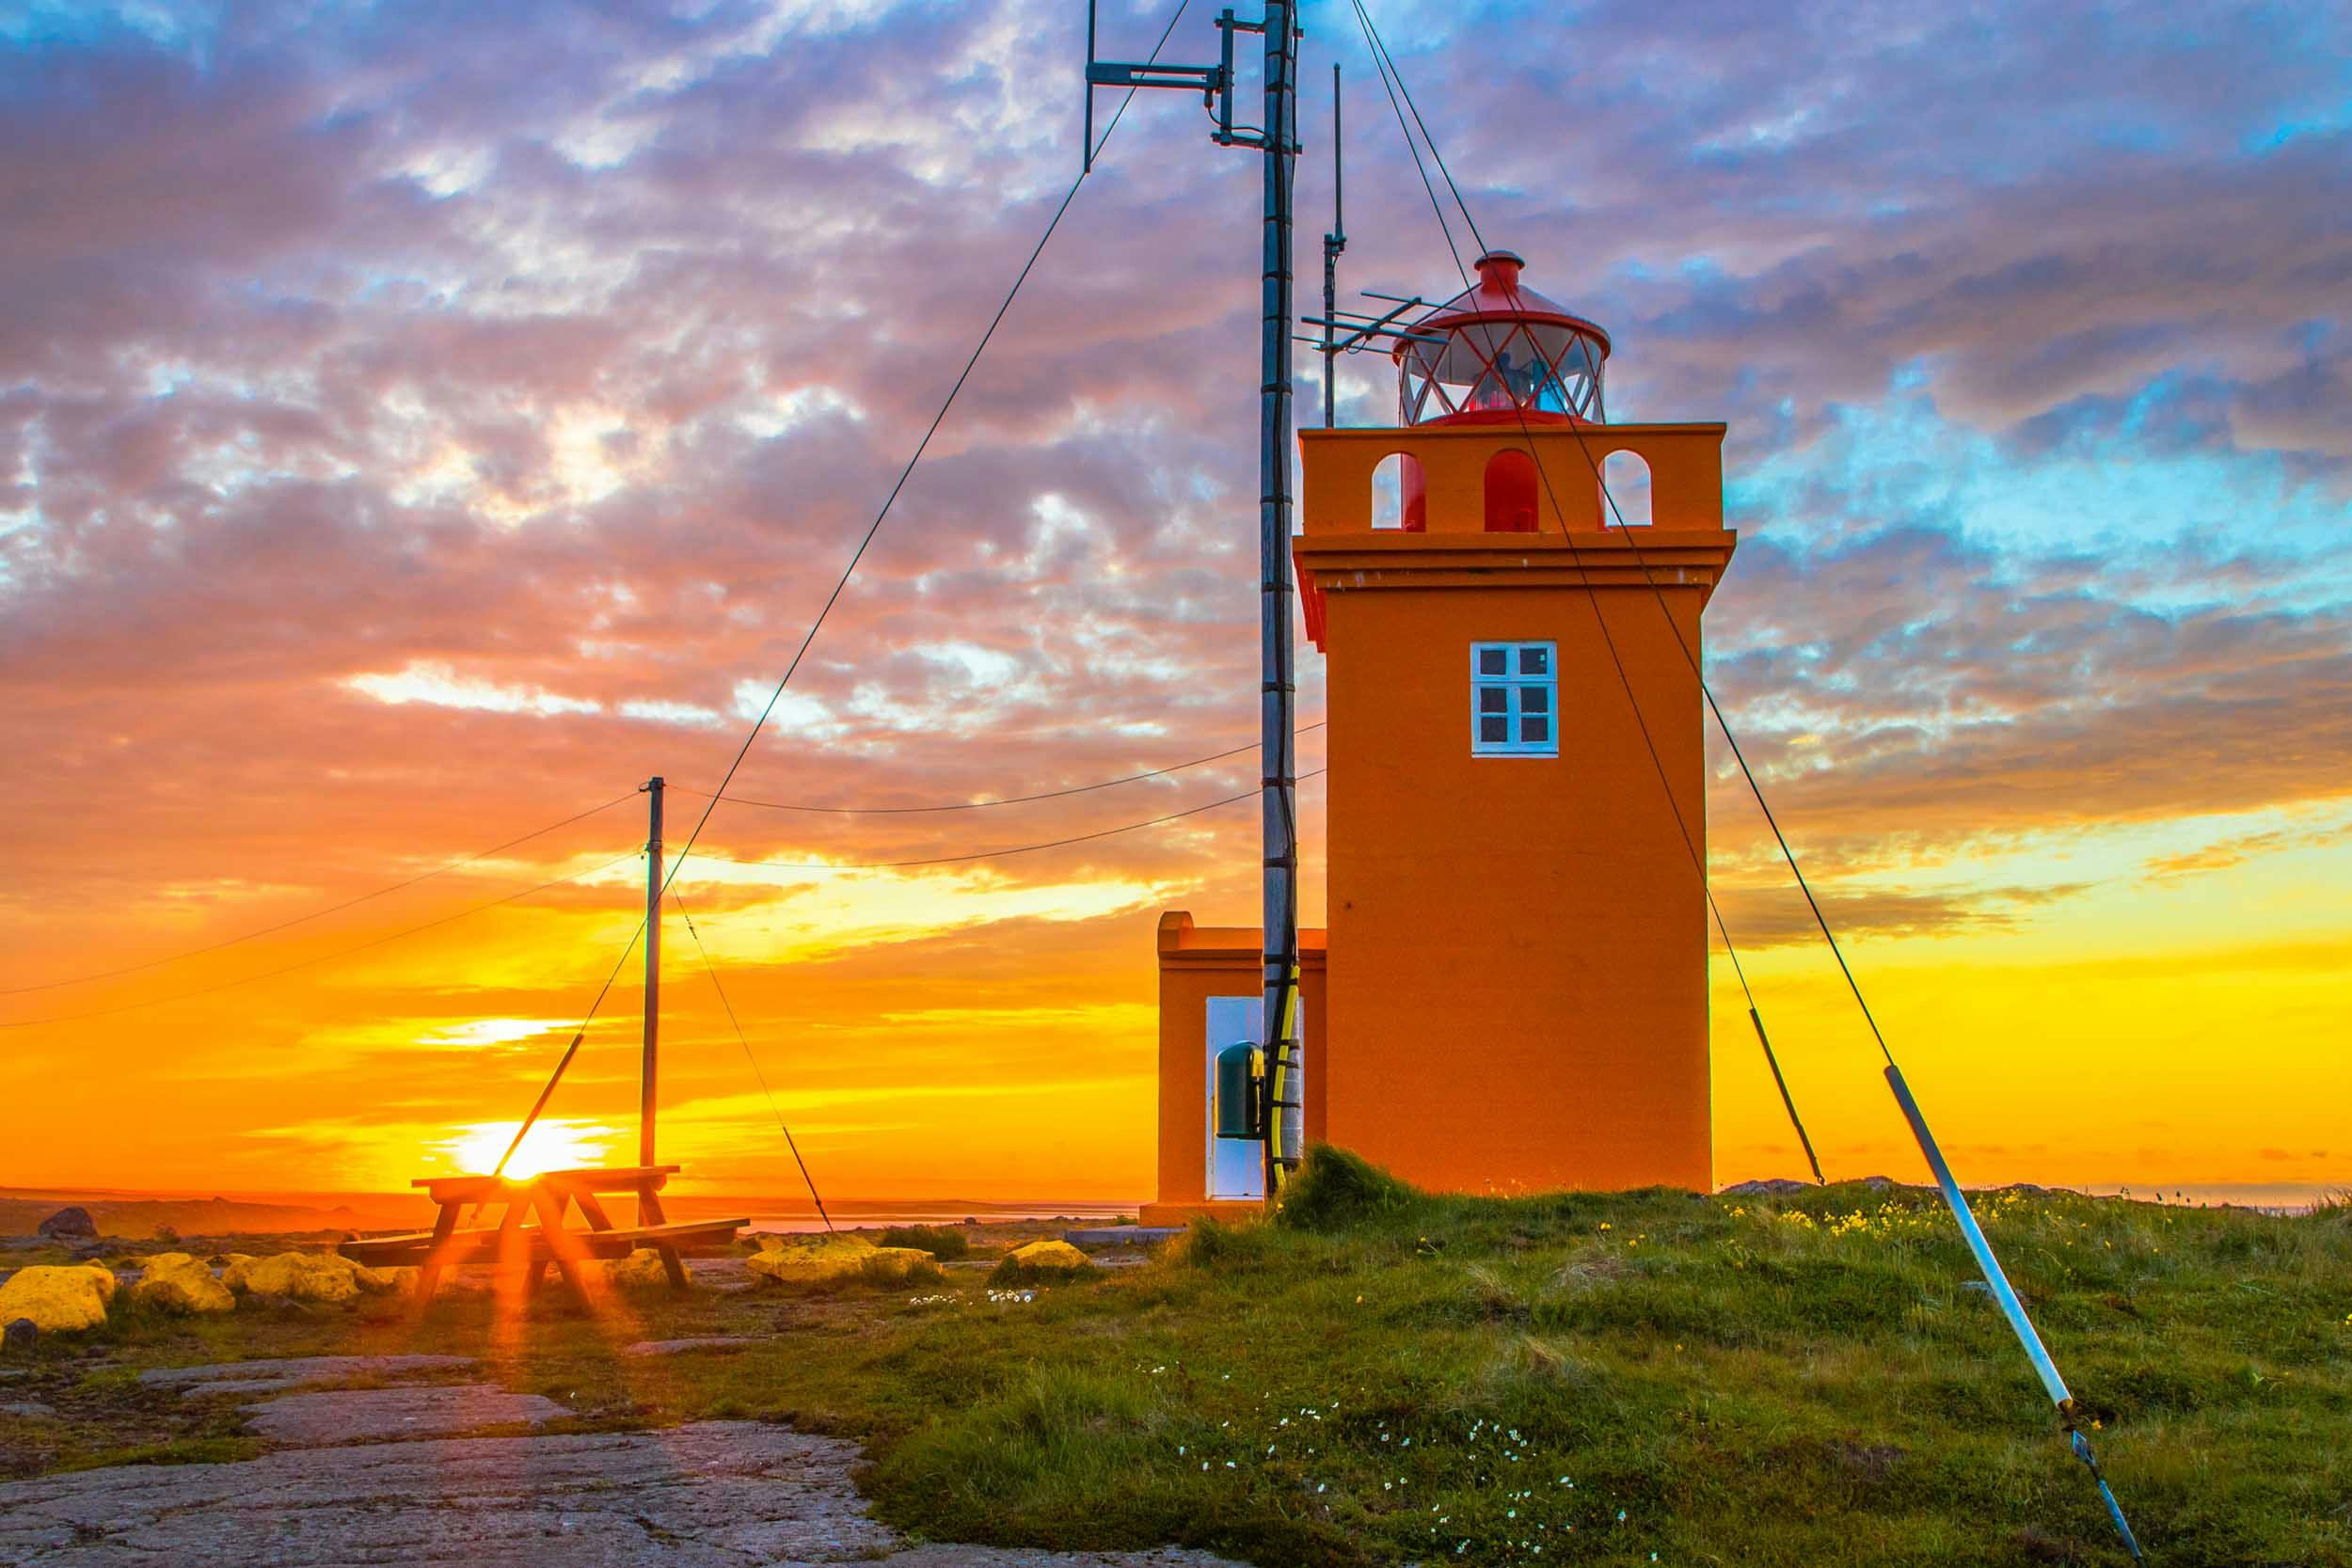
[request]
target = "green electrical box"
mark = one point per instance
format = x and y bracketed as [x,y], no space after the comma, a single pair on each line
[1240,1071]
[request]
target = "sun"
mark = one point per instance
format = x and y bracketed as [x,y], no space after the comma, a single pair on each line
[549,1146]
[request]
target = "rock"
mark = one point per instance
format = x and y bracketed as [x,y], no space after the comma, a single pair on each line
[19,1335]
[1124,1235]
[288,1372]
[1777,1186]
[376,1282]
[58,1300]
[68,1224]
[900,1265]
[373,1414]
[265,1302]
[319,1277]
[179,1283]
[807,1261]
[786,1258]
[718,1344]
[31,1410]
[641,1270]
[695,1496]
[105,1279]
[1046,1259]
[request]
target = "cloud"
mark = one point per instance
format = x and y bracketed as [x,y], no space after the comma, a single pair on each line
[402,448]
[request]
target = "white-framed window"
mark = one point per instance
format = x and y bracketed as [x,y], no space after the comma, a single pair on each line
[1514,700]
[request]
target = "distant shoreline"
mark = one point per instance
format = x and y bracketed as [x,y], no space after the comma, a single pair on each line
[133,1212]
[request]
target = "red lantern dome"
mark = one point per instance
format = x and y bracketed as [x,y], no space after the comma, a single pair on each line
[1503,354]
[1508,353]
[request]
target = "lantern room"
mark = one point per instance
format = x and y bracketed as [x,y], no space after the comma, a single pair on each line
[1498,352]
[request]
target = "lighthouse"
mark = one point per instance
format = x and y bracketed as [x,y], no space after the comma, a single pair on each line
[1511,993]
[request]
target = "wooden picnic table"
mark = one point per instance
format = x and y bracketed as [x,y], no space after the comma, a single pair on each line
[532,1249]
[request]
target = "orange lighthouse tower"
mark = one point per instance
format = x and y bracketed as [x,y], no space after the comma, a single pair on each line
[1512,985]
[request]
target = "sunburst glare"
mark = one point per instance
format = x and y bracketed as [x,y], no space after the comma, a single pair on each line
[549,1146]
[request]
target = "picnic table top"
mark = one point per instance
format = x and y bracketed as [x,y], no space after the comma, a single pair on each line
[610,1178]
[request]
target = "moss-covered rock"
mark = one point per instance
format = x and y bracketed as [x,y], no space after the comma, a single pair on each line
[104,1278]
[1045,1259]
[820,1261]
[57,1299]
[321,1276]
[376,1282]
[809,1259]
[641,1270]
[402,1280]
[179,1283]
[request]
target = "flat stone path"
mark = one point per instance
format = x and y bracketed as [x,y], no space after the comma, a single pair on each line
[377,1477]
[376,1415]
[723,1344]
[298,1371]
[709,1495]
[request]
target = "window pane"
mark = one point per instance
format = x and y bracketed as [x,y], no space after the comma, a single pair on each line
[1536,660]
[1496,730]
[1494,661]
[1536,730]
[1535,699]
[1494,698]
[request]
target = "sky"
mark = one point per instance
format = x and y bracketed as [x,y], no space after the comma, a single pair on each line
[420,423]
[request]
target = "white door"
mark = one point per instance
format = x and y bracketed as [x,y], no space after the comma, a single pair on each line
[1236,1167]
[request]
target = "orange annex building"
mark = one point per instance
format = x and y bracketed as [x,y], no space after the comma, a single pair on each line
[1511,996]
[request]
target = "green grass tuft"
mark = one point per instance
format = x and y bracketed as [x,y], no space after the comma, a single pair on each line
[942,1241]
[1336,1191]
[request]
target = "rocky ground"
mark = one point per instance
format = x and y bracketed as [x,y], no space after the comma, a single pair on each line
[446,1469]
[1381,1376]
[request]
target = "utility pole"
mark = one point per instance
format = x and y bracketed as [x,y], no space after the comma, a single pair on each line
[1278,735]
[1277,140]
[648,1091]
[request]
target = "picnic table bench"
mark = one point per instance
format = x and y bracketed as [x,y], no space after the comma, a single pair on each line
[533,1248]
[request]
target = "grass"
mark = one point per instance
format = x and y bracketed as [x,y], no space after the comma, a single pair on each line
[1383,1376]
[943,1241]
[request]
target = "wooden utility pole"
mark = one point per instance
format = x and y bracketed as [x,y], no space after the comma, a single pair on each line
[648,1090]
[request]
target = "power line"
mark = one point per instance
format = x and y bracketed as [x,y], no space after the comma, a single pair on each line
[997,854]
[1690,657]
[318,959]
[1988,1264]
[1617,660]
[983,805]
[565,1062]
[1380,50]
[1698,860]
[1379,64]
[790,1141]
[570,1050]
[314,914]
[875,527]
[917,456]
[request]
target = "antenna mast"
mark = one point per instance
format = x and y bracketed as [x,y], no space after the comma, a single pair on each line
[1333,242]
[1277,140]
